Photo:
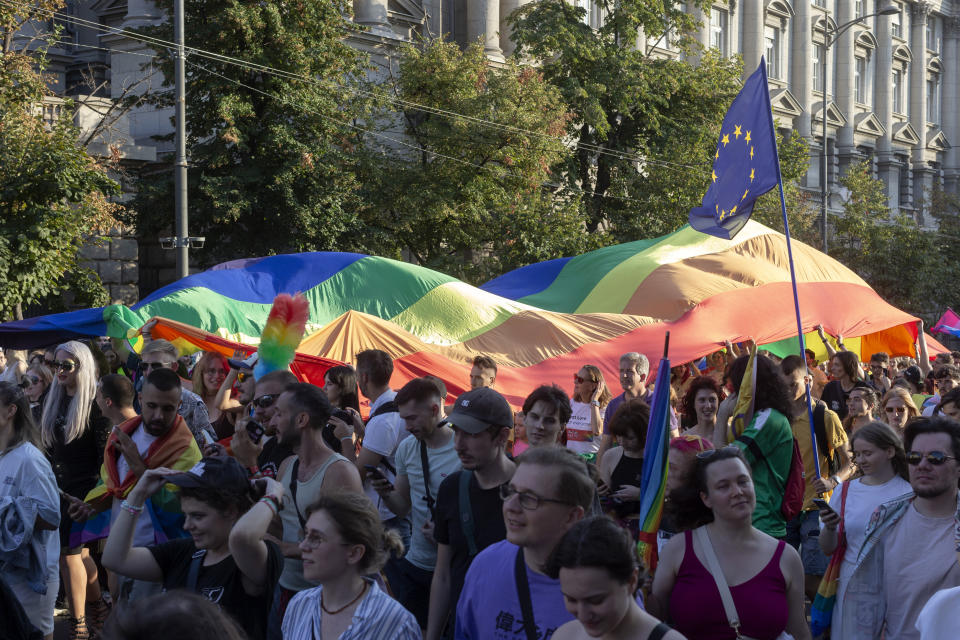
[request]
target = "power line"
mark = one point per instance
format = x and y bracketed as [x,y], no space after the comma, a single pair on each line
[395,100]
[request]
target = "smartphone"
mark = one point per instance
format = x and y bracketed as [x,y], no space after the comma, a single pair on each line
[374,472]
[822,504]
[256,431]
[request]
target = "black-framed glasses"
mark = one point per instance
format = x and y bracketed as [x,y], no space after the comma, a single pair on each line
[265,400]
[709,453]
[64,365]
[936,458]
[150,366]
[27,381]
[528,499]
[49,363]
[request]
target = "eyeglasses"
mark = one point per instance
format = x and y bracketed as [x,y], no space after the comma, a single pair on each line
[895,409]
[314,540]
[936,458]
[215,371]
[265,401]
[528,500]
[243,375]
[709,453]
[150,366]
[63,365]
[577,379]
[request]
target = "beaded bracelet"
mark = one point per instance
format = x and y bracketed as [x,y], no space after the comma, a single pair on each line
[271,502]
[131,509]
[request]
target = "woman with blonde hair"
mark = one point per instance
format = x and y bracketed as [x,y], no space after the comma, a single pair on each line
[898,408]
[344,544]
[36,384]
[208,375]
[74,435]
[590,398]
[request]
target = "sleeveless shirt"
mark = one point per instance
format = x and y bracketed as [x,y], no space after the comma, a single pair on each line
[307,493]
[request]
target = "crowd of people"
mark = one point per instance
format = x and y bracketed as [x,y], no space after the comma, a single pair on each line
[152,495]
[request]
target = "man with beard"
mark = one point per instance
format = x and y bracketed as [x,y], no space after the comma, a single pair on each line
[266,456]
[302,410]
[909,550]
[159,437]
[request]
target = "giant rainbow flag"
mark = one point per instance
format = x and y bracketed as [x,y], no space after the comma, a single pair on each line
[540,323]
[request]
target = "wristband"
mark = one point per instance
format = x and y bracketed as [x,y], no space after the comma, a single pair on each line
[131,509]
[271,502]
[595,403]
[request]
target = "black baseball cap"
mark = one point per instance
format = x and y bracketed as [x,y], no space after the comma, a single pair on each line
[479,409]
[913,375]
[215,472]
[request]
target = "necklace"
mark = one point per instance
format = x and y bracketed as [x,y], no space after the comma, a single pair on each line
[333,613]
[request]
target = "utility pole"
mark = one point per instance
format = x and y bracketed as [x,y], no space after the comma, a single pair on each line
[182,242]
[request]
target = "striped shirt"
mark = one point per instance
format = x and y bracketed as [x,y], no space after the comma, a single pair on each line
[379,617]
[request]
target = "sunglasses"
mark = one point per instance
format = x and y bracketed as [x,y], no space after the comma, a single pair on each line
[26,381]
[150,366]
[64,365]
[936,458]
[895,409]
[709,453]
[265,401]
[49,363]
[578,380]
[243,375]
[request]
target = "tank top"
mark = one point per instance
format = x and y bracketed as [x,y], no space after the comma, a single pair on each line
[697,610]
[307,493]
[628,471]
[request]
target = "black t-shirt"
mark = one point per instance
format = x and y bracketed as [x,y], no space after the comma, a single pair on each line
[835,398]
[222,583]
[488,527]
[272,454]
[628,471]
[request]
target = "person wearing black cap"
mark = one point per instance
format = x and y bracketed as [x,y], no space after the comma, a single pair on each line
[469,507]
[225,558]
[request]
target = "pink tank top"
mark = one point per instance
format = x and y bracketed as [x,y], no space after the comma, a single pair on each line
[697,611]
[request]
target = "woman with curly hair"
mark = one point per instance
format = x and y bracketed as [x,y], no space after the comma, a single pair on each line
[590,397]
[699,407]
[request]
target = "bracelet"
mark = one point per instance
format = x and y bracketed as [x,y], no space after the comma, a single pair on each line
[131,509]
[272,502]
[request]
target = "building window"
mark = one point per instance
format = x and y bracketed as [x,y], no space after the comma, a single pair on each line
[933,34]
[772,39]
[896,23]
[718,30]
[858,9]
[860,79]
[820,3]
[933,99]
[897,90]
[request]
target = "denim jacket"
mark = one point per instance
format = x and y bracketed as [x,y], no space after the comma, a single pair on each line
[864,601]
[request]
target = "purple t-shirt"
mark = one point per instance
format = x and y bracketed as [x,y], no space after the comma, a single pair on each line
[489,607]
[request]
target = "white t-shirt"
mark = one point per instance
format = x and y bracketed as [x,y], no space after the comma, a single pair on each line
[143,534]
[443,461]
[382,435]
[918,560]
[862,501]
[579,434]
[940,617]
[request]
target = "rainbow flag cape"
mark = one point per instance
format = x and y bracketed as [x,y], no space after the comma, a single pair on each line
[176,450]
[653,479]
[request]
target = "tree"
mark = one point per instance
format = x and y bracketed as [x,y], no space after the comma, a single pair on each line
[52,193]
[897,258]
[270,153]
[646,125]
[461,185]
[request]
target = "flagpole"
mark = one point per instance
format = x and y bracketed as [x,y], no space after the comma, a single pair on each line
[793,273]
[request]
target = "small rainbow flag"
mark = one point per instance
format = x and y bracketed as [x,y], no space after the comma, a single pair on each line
[653,479]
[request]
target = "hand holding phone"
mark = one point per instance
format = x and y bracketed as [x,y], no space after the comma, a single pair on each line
[822,504]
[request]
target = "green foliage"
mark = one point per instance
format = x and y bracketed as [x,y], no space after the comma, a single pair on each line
[52,195]
[464,186]
[629,104]
[270,156]
[898,259]
[801,211]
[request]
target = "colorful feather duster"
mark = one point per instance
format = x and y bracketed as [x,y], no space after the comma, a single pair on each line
[282,333]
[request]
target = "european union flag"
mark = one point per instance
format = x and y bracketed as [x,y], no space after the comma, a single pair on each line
[745,165]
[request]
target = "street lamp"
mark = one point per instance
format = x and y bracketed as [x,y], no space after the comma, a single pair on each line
[829,37]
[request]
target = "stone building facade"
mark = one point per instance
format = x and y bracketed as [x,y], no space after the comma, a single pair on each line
[893,81]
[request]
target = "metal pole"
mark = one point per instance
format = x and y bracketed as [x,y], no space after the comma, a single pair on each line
[823,148]
[180,164]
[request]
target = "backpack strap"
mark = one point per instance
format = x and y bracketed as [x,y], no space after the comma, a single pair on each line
[386,407]
[293,493]
[193,574]
[820,429]
[466,512]
[425,463]
[659,631]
